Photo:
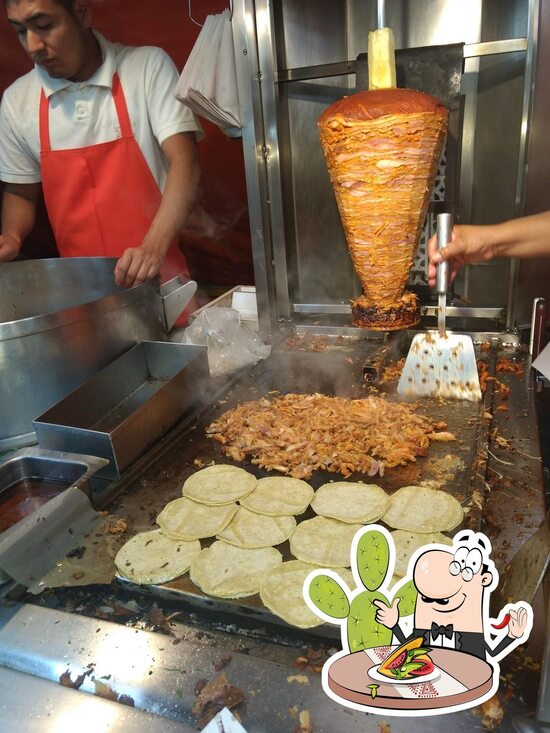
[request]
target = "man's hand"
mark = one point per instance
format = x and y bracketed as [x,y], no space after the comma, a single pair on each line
[9,247]
[387,616]
[136,265]
[518,622]
[468,244]
[18,211]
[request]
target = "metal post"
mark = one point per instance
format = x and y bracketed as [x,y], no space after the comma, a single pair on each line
[381,14]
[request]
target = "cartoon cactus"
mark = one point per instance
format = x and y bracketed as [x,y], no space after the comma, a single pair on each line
[363,630]
[372,561]
[329,596]
[407,598]
[373,557]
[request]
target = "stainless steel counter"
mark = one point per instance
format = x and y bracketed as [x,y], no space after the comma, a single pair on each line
[160,678]
[30,704]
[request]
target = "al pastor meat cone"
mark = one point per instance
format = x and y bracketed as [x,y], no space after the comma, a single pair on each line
[382,149]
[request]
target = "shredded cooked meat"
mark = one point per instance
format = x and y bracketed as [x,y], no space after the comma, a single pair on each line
[382,150]
[299,433]
[392,371]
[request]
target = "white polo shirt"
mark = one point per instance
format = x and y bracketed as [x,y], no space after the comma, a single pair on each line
[83,113]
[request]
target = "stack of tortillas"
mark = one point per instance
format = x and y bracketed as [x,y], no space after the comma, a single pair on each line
[207,506]
[214,505]
[244,552]
[343,507]
[248,518]
[322,542]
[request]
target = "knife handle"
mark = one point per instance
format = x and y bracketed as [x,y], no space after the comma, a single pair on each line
[444,233]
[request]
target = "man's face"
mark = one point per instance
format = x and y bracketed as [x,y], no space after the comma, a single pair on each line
[445,596]
[53,37]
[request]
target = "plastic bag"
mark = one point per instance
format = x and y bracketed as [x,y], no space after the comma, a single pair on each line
[230,344]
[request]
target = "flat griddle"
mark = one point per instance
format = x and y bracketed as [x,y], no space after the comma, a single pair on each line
[335,372]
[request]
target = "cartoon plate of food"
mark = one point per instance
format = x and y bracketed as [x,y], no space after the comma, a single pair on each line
[408,664]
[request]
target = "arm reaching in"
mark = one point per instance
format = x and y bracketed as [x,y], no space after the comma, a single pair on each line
[18,214]
[138,264]
[525,237]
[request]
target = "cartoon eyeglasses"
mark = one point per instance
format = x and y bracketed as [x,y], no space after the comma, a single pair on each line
[466,562]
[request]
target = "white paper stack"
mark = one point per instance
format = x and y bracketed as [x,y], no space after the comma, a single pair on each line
[208,82]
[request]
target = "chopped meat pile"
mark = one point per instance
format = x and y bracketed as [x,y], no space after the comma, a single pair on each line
[299,433]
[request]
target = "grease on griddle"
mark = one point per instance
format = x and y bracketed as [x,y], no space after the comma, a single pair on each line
[25,497]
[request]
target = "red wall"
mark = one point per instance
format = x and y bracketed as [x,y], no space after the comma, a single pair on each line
[217,238]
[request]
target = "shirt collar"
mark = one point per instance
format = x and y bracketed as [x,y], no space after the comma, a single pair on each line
[103,77]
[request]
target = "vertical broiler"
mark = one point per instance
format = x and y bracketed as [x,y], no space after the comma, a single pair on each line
[382,148]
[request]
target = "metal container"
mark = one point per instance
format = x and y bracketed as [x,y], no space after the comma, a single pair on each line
[61,320]
[36,464]
[127,406]
[31,476]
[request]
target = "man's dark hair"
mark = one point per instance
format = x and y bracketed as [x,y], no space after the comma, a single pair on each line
[67,4]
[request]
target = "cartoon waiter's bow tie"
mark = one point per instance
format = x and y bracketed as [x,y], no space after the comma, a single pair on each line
[440,630]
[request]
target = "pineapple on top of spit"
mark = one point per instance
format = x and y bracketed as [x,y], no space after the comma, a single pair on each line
[382,148]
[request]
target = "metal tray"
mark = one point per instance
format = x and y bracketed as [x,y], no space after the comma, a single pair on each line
[30,477]
[127,406]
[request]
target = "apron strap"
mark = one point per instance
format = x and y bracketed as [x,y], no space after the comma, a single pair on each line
[44,124]
[121,108]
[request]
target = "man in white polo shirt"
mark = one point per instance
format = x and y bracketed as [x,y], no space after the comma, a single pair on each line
[97,125]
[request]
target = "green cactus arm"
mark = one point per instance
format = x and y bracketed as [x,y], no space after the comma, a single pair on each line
[373,558]
[363,630]
[329,596]
[407,595]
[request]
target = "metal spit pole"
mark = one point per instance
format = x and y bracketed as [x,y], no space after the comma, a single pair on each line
[381,13]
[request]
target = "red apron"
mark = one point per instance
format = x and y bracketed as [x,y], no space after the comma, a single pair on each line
[101,199]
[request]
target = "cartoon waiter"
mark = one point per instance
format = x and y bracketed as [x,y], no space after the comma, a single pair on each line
[454,585]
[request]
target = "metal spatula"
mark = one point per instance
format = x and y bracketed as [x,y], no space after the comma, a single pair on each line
[440,363]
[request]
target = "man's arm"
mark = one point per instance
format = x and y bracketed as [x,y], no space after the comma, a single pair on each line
[18,214]
[525,237]
[138,264]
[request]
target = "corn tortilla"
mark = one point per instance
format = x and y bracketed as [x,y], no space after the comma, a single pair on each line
[188,520]
[227,571]
[406,543]
[322,541]
[250,529]
[219,484]
[151,557]
[281,592]
[350,502]
[279,496]
[419,509]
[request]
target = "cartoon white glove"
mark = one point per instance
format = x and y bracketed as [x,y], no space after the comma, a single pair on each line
[387,615]
[518,622]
